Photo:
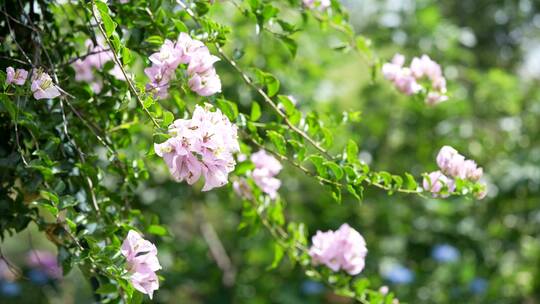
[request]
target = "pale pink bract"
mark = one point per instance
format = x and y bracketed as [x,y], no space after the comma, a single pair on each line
[142,263]
[202,75]
[17,77]
[452,166]
[343,249]
[43,86]
[201,146]
[436,181]
[266,168]
[408,79]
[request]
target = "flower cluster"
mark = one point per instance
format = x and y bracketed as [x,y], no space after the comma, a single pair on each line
[142,263]
[203,78]
[201,146]
[318,4]
[452,165]
[406,79]
[266,167]
[97,57]
[17,77]
[342,249]
[43,86]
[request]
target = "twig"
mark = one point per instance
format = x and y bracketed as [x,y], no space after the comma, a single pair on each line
[265,96]
[15,39]
[84,56]
[117,61]
[17,133]
[12,268]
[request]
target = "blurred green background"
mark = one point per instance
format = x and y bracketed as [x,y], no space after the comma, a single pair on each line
[426,250]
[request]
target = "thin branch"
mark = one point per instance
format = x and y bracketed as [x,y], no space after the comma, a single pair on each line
[12,268]
[11,33]
[265,96]
[17,133]
[117,61]
[84,56]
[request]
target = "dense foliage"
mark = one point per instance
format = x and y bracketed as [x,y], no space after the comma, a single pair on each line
[269,151]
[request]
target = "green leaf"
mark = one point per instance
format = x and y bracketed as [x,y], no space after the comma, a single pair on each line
[108,23]
[272,85]
[291,45]
[67,201]
[275,213]
[336,193]
[318,162]
[278,256]
[180,26]
[155,40]
[360,285]
[255,111]
[355,193]
[50,197]
[106,289]
[148,102]
[157,230]
[363,45]
[287,103]
[352,151]
[411,182]
[229,108]
[278,140]
[335,168]
[127,58]
[168,117]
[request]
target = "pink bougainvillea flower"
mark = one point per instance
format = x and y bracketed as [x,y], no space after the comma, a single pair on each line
[201,146]
[142,263]
[266,168]
[202,62]
[205,84]
[392,69]
[454,164]
[407,79]
[43,86]
[96,58]
[83,70]
[265,180]
[168,56]
[159,81]
[436,181]
[406,83]
[343,249]
[17,77]
[203,78]
[424,66]
[145,281]
[188,47]
[434,98]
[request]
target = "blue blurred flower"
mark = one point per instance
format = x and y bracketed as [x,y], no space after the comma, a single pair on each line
[445,253]
[478,285]
[38,277]
[9,289]
[399,274]
[312,287]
